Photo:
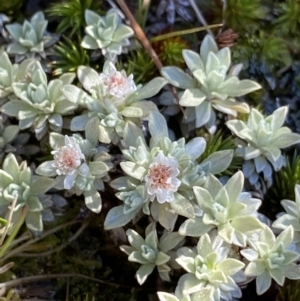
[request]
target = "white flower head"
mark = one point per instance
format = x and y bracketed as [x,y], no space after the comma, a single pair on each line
[67,158]
[117,84]
[161,181]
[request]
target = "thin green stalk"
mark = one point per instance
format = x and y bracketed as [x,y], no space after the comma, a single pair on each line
[183,32]
[24,246]
[14,233]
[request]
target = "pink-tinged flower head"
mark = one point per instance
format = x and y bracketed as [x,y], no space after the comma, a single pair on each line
[161,181]
[117,84]
[68,158]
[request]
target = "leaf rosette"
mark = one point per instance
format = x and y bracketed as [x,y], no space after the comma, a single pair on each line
[160,177]
[209,85]
[111,101]
[18,181]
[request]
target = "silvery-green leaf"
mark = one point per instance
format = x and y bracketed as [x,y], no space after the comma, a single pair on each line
[162,258]
[55,122]
[220,161]
[182,206]
[15,30]
[143,272]
[169,241]
[230,266]
[10,132]
[203,198]
[34,204]
[192,98]
[73,93]
[178,78]
[230,104]
[245,224]
[208,45]
[157,127]
[13,107]
[98,168]
[116,218]
[166,217]
[34,221]
[195,147]
[166,297]
[93,200]
[16,48]
[46,169]
[78,123]
[104,134]
[194,227]
[67,78]
[5,179]
[89,43]
[131,133]
[203,113]
[192,60]
[91,17]
[122,32]
[146,107]
[133,170]
[88,77]
[56,140]
[150,89]
[41,185]
[224,57]
[132,112]
[245,86]
[249,254]
[119,183]
[212,62]
[263,282]
[286,140]
[235,185]
[11,166]
[92,130]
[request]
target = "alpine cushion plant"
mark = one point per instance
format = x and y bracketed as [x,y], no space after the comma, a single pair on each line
[30,38]
[291,217]
[209,84]
[270,257]
[11,73]
[78,164]
[40,104]
[106,33]
[210,270]
[113,99]
[261,141]
[160,177]
[17,181]
[225,208]
[152,252]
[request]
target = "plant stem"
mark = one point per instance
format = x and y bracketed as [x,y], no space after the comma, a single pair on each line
[4,286]
[15,232]
[200,17]
[145,42]
[23,247]
[183,32]
[57,249]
